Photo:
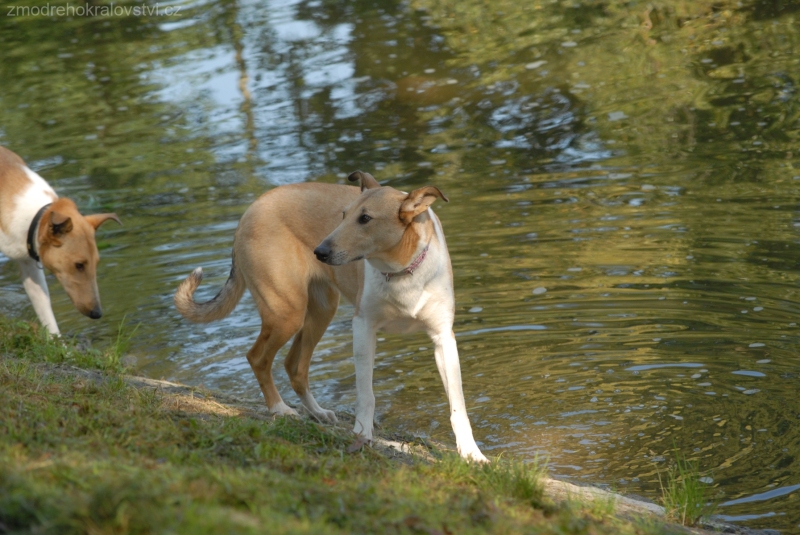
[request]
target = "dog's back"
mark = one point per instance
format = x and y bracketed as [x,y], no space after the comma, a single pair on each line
[273,249]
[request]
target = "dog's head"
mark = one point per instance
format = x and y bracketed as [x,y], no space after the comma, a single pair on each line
[378,224]
[67,248]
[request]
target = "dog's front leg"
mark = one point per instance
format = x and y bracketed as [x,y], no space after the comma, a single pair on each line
[35,285]
[364,354]
[446,354]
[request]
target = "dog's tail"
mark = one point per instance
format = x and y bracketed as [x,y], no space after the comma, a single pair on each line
[218,307]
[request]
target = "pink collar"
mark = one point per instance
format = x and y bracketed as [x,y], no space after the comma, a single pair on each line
[411,267]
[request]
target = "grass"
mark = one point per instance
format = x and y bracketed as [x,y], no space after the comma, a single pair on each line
[684,495]
[89,453]
[121,343]
[603,507]
[32,342]
[599,506]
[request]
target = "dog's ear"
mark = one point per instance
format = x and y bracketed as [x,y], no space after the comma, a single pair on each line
[367,180]
[60,224]
[418,201]
[96,220]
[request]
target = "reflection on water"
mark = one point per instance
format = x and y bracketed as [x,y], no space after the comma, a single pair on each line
[623,220]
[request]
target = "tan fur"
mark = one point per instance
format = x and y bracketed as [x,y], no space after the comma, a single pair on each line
[13,181]
[65,240]
[273,258]
[418,201]
[404,252]
[297,295]
[218,307]
[366,180]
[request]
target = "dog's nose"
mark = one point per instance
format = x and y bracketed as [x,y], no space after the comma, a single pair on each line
[323,253]
[96,313]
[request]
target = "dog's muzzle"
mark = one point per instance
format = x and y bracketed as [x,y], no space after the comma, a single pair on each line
[323,253]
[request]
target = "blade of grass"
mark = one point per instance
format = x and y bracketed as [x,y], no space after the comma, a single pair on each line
[683,494]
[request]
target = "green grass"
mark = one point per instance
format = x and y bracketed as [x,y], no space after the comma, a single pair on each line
[684,495]
[88,453]
[121,343]
[34,343]
[600,507]
[603,507]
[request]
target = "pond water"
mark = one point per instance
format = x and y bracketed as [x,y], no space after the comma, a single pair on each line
[623,218]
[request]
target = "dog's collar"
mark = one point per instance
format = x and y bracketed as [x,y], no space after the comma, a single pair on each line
[411,267]
[32,232]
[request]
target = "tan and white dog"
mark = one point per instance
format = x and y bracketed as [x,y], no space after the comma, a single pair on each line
[404,284]
[37,229]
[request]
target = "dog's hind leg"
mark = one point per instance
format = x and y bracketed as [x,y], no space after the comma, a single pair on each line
[281,296]
[274,334]
[323,301]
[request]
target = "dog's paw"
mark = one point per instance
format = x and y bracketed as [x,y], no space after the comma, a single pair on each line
[325,416]
[358,444]
[282,409]
[363,430]
[473,456]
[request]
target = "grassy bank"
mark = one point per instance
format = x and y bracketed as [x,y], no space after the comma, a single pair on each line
[87,452]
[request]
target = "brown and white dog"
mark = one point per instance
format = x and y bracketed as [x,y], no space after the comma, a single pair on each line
[37,229]
[403,284]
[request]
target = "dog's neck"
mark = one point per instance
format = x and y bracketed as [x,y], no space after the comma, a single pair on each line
[418,239]
[33,231]
[409,270]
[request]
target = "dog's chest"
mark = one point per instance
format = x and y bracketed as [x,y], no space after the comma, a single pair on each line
[17,210]
[399,305]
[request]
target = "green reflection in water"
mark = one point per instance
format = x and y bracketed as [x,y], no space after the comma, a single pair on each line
[623,223]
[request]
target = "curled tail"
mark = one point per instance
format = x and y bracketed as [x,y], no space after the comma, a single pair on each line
[218,307]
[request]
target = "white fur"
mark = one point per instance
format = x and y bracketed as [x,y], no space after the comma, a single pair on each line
[407,303]
[14,244]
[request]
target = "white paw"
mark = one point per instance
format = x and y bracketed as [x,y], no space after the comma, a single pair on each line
[363,430]
[325,416]
[473,455]
[282,409]
[357,444]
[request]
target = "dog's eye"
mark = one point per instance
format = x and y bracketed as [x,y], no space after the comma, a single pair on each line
[364,219]
[344,214]
[80,266]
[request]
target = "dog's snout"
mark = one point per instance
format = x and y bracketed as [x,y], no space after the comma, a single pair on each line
[323,252]
[95,313]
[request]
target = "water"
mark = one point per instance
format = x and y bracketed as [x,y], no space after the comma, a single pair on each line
[623,215]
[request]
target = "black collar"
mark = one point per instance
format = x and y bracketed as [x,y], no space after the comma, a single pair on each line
[32,232]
